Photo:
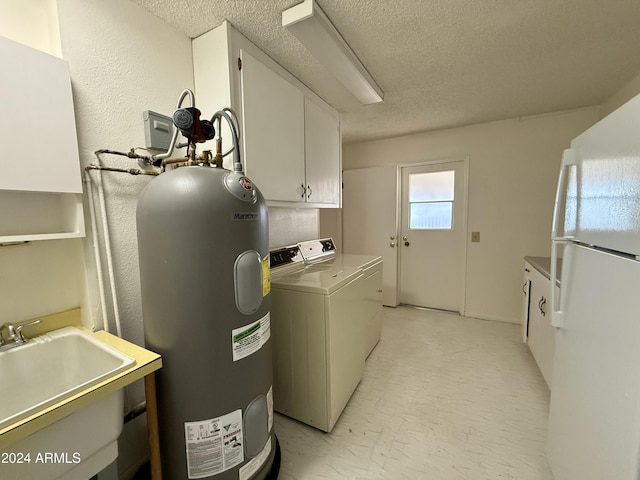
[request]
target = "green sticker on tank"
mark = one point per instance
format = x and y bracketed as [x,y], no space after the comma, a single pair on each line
[250,338]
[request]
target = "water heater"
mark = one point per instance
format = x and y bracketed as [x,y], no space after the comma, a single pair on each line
[204,272]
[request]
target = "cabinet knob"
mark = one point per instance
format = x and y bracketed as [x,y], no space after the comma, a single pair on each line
[309,191]
[406,244]
[392,244]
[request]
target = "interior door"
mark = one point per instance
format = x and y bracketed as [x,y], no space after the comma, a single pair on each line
[369,221]
[433,230]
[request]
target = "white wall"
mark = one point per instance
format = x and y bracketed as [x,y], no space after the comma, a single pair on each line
[40,278]
[512,175]
[288,226]
[123,61]
[31,22]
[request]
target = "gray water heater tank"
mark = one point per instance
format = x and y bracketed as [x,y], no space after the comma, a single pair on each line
[204,270]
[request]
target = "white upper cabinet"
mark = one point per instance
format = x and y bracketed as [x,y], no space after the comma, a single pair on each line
[40,180]
[37,128]
[290,137]
[273,133]
[322,154]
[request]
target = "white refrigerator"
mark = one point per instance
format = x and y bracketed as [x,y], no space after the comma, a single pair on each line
[594,416]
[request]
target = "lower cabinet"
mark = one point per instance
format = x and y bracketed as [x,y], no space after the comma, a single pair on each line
[536,319]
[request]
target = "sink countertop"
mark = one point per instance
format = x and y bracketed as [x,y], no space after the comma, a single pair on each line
[146,362]
[543,265]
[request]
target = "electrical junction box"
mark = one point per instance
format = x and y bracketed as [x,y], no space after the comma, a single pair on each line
[158,130]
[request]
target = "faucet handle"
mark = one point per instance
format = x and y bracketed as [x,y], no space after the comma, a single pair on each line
[17,333]
[14,332]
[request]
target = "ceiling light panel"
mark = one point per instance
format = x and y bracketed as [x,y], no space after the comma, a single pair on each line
[309,24]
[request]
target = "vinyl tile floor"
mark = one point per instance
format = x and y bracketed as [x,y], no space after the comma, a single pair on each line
[443,397]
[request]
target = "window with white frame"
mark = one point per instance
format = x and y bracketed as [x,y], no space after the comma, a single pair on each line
[431,197]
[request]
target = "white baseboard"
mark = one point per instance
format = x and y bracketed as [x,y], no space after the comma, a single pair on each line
[493,318]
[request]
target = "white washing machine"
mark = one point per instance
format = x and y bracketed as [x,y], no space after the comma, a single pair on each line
[371,267]
[318,330]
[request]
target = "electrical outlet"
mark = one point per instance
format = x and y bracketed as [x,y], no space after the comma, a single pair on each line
[475,236]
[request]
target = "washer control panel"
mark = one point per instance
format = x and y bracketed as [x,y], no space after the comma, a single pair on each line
[285,256]
[317,250]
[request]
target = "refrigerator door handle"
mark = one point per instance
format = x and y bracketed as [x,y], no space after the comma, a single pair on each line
[569,158]
[557,315]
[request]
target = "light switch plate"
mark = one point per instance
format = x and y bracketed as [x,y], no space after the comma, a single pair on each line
[158,130]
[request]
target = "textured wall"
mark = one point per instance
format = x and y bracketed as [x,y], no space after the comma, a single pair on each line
[123,61]
[290,225]
[513,170]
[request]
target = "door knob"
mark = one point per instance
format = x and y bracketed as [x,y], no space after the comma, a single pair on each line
[406,244]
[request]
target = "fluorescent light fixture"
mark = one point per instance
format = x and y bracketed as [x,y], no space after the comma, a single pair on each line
[309,24]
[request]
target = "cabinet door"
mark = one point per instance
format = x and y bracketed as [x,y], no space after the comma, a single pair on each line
[273,131]
[526,303]
[37,123]
[322,154]
[541,333]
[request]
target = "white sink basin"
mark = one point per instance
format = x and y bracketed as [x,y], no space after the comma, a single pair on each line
[52,367]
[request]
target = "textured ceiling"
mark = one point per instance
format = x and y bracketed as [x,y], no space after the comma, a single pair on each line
[445,63]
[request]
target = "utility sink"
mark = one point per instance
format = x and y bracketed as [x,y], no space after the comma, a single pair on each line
[52,367]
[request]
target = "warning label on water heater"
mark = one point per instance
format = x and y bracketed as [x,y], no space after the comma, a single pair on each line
[250,338]
[266,276]
[214,445]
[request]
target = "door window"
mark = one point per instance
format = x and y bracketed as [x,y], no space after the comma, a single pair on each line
[431,200]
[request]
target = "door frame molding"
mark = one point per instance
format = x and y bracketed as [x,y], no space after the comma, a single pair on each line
[465,209]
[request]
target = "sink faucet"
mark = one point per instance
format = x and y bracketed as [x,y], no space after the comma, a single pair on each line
[14,336]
